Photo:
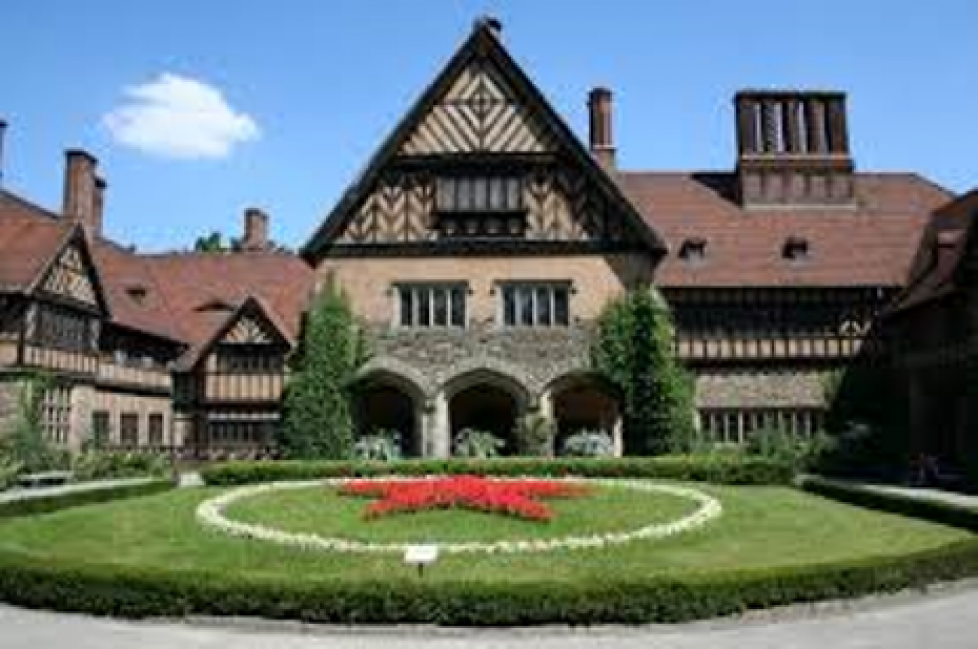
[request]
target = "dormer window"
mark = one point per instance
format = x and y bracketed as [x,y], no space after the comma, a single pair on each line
[693,250]
[137,293]
[796,249]
[480,207]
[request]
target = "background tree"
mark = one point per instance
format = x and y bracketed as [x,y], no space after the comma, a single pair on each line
[24,444]
[633,348]
[318,420]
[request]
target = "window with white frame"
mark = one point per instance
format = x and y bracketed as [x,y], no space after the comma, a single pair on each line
[431,304]
[535,304]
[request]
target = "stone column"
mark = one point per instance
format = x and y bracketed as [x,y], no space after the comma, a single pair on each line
[438,432]
[617,438]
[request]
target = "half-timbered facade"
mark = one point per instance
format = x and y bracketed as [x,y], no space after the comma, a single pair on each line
[479,246]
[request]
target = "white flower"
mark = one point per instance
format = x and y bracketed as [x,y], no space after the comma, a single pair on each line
[210,513]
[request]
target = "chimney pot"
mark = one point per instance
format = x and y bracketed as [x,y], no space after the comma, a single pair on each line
[255,230]
[83,192]
[600,135]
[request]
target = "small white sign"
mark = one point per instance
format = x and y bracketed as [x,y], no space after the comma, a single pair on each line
[420,555]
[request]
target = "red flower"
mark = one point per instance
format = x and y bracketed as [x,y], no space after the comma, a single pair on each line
[510,497]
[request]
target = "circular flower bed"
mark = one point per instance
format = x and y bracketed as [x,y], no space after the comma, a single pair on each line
[211,513]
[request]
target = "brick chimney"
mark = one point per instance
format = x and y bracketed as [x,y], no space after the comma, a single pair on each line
[601,142]
[84,192]
[255,236]
[3,133]
[793,148]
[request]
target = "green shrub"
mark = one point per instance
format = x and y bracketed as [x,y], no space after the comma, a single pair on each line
[633,350]
[103,465]
[130,591]
[894,503]
[317,419]
[479,444]
[803,453]
[534,435]
[718,468]
[50,503]
[589,443]
[382,446]
[24,444]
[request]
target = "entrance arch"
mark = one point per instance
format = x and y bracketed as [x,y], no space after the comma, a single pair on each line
[488,401]
[383,401]
[584,402]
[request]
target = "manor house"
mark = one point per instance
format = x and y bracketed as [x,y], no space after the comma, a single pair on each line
[479,245]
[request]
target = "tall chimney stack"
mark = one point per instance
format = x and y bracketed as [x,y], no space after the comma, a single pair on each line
[601,141]
[793,148]
[3,133]
[82,194]
[255,230]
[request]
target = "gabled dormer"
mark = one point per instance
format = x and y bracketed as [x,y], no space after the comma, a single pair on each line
[482,163]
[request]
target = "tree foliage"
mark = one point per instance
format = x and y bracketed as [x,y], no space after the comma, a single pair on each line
[318,420]
[24,445]
[633,349]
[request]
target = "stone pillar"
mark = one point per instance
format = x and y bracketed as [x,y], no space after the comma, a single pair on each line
[438,431]
[617,436]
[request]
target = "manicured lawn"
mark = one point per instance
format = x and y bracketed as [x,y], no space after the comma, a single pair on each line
[760,527]
[324,512]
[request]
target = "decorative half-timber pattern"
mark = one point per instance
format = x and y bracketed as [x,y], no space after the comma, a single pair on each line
[248,331]
[562,205]
[69,277]
[479,113]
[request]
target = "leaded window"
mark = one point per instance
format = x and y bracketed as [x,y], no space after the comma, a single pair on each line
[480,207]
[535,304]
[58,327]
[154,429]
[129,429]
[56,413]
[431,304]
[101,428]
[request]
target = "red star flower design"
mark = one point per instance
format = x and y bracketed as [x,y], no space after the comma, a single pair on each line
[519,498]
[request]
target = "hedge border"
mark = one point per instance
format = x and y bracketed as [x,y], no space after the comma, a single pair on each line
[55,502]
[720,469]
[893,503]
[138,592]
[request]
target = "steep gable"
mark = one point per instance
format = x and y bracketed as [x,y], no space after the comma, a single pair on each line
[480,112]
[71,277]
[481,121]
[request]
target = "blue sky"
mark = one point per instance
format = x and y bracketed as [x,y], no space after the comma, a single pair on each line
[291,97]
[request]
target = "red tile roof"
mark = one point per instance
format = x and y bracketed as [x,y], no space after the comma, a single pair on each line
[942,249]
[29,239]
[192,282]
[871,244]
[160,295]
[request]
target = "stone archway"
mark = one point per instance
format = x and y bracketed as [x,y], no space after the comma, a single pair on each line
[384,401]
[489,401]
[583,401]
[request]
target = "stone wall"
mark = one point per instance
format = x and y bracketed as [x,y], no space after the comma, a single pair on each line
[435,357]
[779,387]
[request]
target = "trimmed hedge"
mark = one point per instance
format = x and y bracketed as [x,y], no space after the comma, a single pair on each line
[863,496]
[130,591]
[45,504]
[718,468]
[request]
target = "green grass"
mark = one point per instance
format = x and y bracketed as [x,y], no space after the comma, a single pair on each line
[761,527]
[324,512]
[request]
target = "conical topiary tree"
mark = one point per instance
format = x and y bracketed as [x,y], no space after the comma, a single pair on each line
[318,422]
[633,348]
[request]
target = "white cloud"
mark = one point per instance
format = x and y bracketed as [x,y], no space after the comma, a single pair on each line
[179,117]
